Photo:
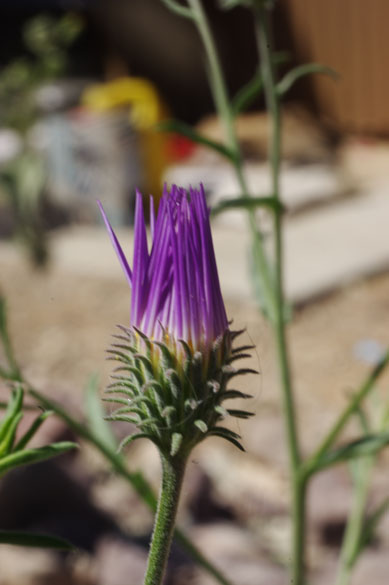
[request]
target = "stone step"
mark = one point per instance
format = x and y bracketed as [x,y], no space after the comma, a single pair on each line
[325,249]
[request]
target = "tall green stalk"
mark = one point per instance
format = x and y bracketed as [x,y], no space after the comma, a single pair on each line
[224,110]
[272,278]
[264,40]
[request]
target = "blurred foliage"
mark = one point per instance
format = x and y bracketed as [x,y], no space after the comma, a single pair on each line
[14,449]
[14,452]
[22,179]
[47,40]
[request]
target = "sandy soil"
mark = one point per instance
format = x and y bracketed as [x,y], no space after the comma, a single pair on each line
[61,324]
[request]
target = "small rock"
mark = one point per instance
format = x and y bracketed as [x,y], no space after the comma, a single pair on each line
[236,555]
[119,562]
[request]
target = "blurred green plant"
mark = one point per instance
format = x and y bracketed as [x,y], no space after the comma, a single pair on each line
[23,177]
[14,452]
[97,432]
[267,269]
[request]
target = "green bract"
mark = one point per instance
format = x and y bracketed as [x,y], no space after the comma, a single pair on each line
[175,399]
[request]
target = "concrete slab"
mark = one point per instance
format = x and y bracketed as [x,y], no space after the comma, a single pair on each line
[302,186]
[324,249]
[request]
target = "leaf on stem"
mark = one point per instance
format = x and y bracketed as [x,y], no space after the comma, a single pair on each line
[95,415]
[370,526]
[247,95]
[29,456]
[228,4]
[365,446]
[243,202]
[296,73]
[34,540]
[366,387]
[258,282]
[35,425]
[187,131]
[14,372]
[178,8]
[13,410]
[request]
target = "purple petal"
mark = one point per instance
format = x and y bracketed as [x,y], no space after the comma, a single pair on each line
[116,245]
[139,264]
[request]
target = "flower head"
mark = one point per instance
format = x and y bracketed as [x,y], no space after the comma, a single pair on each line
[175,286]
[176,356]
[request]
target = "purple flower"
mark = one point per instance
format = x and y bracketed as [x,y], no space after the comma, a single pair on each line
[175,287]
[175,360]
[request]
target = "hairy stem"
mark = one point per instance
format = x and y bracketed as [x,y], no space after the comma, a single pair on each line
[173,470]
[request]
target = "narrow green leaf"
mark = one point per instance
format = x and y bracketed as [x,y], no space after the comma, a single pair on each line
[242,372]
[32,430]
[120,356]
[242,348]
[124,401]
[167,357]
[240,413]
[132,370]
[248,203]
[139,483]
[177,8]
[176,443]
[201,425]
[301,71]
[228,394]
[29,456]
[221,410]
[146,363]
[238,356]
[363,419]
[122,418]
[228,4]
[368,445]
[225,432]
[127,409]
[247,95]
[169,414]
[14,408]
[364,390]
[95,414]
[370,526]
[130,439]
[34,540]
[187,131]
[7,442]
[122,383]
[14,373]
[218,432]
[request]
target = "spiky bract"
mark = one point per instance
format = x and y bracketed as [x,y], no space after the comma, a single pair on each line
[172,401]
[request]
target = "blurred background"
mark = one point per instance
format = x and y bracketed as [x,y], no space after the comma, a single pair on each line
[83,87]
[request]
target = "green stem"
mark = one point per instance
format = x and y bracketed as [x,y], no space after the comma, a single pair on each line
[352,536]
[173,470]
[218,85]
[264,41]
[136,479]
[226,115]
[350,409]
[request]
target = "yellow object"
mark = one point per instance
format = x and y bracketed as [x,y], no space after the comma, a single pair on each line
[145,111]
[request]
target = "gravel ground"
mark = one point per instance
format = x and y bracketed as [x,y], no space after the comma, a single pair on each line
[61,324]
